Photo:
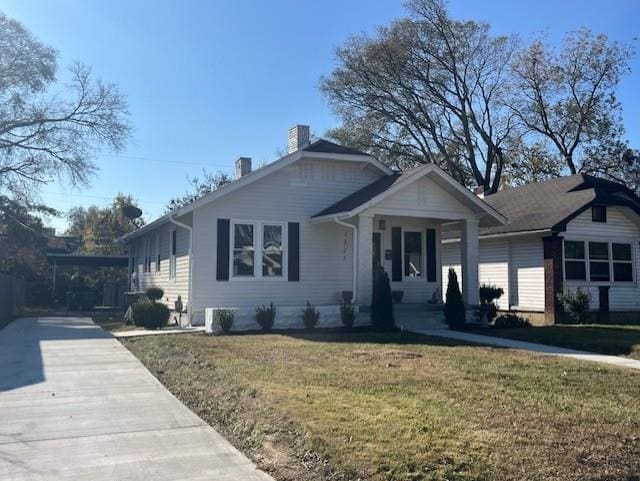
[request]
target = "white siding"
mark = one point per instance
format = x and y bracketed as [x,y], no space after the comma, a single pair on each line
[622,225]
[292,194]
[493,268]
[422,196]
[522,282]
[451,260]
[177,286]
[527,274]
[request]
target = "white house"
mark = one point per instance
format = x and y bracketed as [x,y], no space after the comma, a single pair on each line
[306,228]
[568,233]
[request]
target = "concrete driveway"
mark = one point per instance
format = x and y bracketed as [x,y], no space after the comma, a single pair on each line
[75,404]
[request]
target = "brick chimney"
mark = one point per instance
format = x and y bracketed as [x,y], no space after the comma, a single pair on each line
[298,138]
[243,166]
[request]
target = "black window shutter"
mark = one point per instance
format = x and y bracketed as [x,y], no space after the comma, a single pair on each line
[396,254]
[294,251]
[222,267]
[431,256]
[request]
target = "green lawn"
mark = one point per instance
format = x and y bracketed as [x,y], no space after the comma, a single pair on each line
[618,340]
[404,407]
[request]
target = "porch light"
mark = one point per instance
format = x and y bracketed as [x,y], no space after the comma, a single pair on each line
[382,224]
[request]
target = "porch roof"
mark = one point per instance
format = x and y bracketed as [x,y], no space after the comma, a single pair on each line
[376,191]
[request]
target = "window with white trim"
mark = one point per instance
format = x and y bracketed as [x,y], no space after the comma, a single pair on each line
[622,262]
[257,249]
[598,261]
[244,250]
[272,250]
[412,255]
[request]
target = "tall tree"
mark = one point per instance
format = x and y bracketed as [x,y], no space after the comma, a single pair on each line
[199,187]
[567,96]
[23,238]
[49,130]
[99,227]
[427,88]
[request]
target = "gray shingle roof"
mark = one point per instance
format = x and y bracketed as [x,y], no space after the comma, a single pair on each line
[327,147]
[549,205]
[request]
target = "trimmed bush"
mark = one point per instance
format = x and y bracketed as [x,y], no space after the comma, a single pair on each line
[310,316]
[381,301]
[155,294]
[454,310]
[577,304]
[397,296]
[488,295]
[347,313]
[150,315]
[266,316]
[224,319]
[509,320]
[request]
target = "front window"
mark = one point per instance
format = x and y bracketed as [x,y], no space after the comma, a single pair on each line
[271,250]
[413,254]
[574,264]
[243,250]
[622,263]
[599,261]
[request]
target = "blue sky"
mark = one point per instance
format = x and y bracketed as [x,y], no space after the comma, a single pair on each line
[209,81]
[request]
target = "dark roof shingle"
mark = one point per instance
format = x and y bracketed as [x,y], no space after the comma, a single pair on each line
[548,205]
[327,147]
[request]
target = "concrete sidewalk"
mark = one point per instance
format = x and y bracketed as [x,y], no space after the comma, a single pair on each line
[76,405]
[530,346]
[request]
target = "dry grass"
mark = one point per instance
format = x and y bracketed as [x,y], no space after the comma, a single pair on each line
[392,407]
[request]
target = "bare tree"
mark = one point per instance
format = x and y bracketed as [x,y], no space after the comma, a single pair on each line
[427,89]
[199,187]
[49,130]
[568,96]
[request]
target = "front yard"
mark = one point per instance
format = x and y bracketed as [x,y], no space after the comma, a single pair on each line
[617,340]
[404,407]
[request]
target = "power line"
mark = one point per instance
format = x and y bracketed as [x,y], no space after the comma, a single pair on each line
[164,161]
[66,194]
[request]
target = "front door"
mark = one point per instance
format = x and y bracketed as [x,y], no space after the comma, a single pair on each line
[377,249]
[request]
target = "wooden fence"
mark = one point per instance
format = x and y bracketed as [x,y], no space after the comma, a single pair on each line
[12,294]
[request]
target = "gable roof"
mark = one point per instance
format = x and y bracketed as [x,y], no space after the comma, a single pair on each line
[550,205]
[381,188]
[320,149]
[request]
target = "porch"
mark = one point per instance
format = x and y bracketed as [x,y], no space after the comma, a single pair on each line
[396,223]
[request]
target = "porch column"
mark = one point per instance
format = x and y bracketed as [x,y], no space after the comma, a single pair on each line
[365,259]
[469,261]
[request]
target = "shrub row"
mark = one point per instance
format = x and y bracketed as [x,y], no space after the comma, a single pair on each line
[265,316]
